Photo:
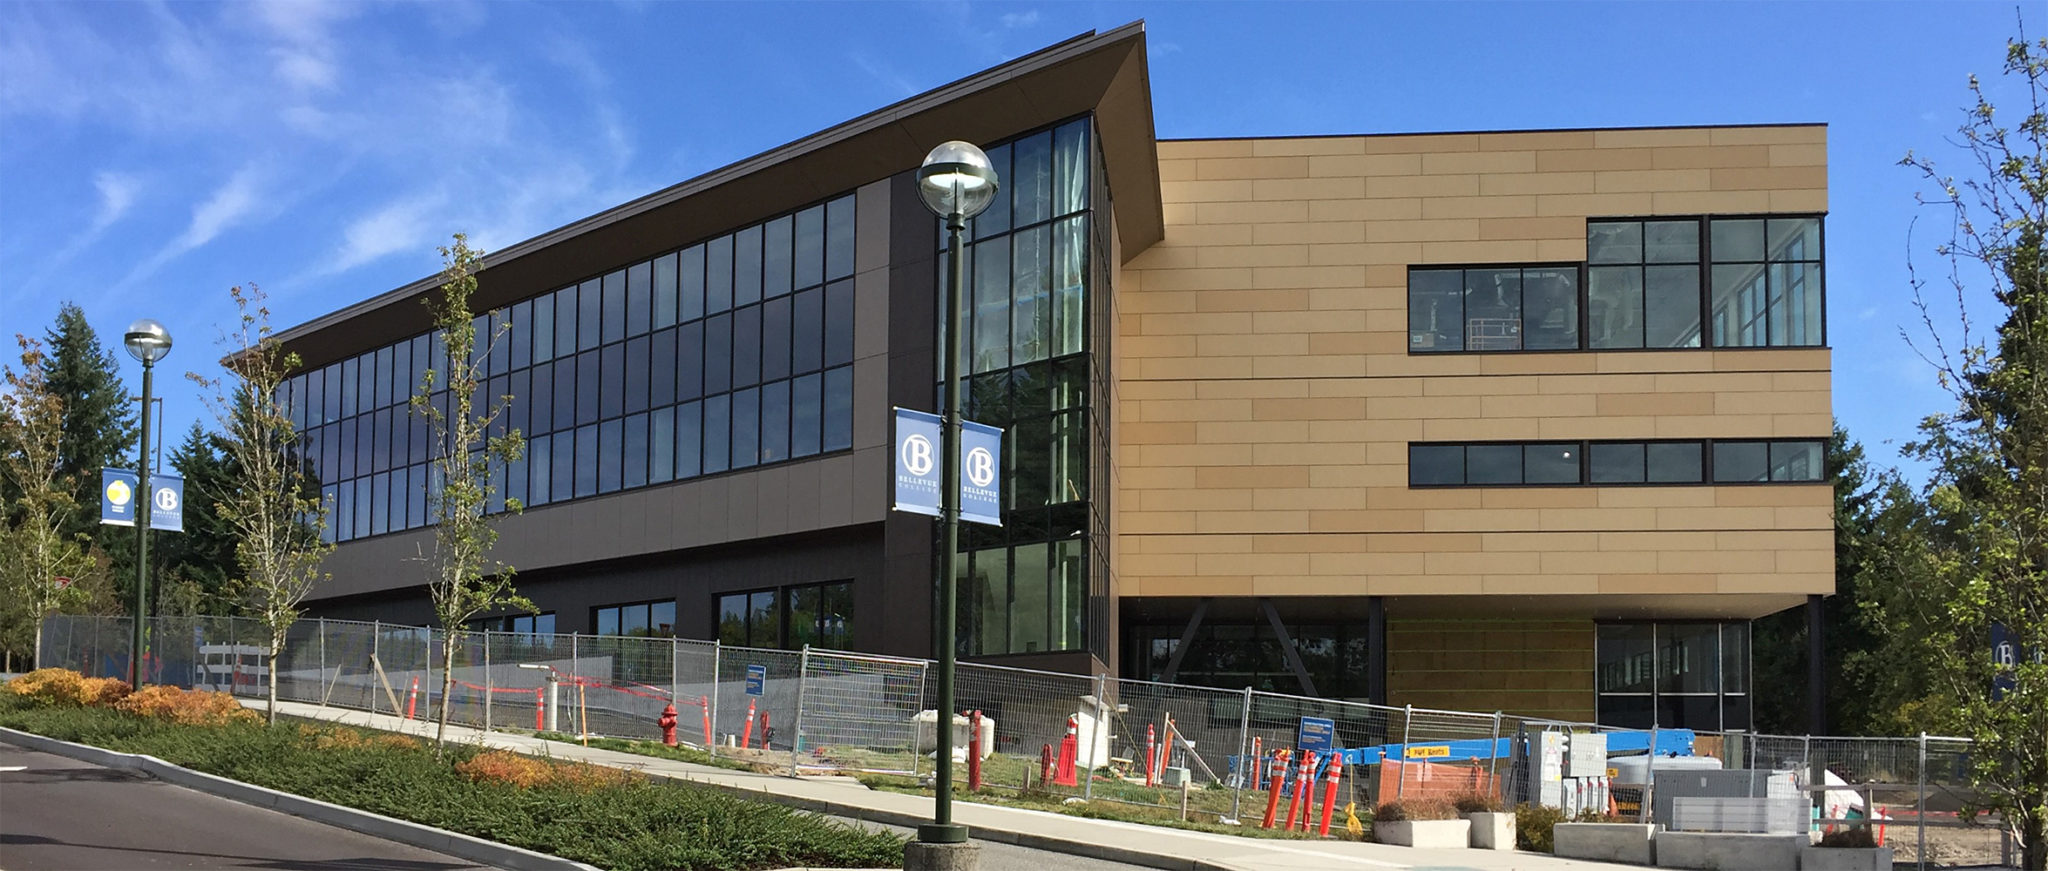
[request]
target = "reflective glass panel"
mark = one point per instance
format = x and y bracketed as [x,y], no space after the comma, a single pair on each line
[838,424]
[636,374]
[1436,310]
[746,266]
[586,461]
[1550,300]
[1617,463]
[1675,462]
[1737,462]
[690,283]
[1551,464]
[665,302]
[717,433]
[775,421]
[807,338]
[839,323]
[1614,307]
[639,298]
[746,346]
[1797,461]
[1493,464]
[1614,242]
[689,440]
[1671,242]
[804,407]
[776,249]
[1493,309]
[1436,464]
[1737,239]
[807,263]
[718,275]
[634,473]
[661,445]
[589,314]
[839,223]
[1672,306]
[746,427]
[615,305]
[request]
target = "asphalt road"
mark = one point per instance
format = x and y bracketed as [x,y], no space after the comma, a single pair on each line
[58,813]
[1010,857]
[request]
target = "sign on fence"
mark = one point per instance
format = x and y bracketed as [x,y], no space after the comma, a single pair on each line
[1317,734]
[757,679]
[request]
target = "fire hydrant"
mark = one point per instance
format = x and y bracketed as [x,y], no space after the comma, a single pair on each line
[668,725]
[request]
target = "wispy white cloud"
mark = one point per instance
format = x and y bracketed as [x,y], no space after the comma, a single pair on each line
[884,74]
[409,223]
[1014,20]
[117,196]
[234,202]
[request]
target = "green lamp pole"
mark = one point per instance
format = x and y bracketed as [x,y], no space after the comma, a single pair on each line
[148,342]
[956,182]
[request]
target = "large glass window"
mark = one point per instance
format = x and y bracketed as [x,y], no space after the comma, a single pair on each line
[1686,675]
[640,619]
[820,615]
[1647,284]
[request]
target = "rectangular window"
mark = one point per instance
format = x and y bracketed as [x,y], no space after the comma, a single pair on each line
[641,619]
[1495,309]
[717,354]
[746,346]
[717,432]
[662,373]
[746,428]
[543,329]
[612,383]
[590,308]
[689,440]
[807,267]
[586,461]
[775,339]
[636,374]
[690,283]
[639,298]
[1685,675]
[589,387]
[839,323]
[746,266]
[804,399]
[839,222]
[838,415]
[563,487]
[690,360]
[565,393]
[610,456]
[538,470]
[665,299]
[614,306]
[635,445]
[661,445]
[718,275]
[775,422]
[1614,463]
[807,337]
[776,248]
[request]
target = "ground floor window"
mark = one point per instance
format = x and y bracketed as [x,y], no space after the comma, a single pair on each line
[820,615]
[637,619]
[1687,675]
[1235,655]
[522,624]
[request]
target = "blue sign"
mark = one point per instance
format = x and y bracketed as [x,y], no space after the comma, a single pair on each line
[167,503]
[2006,655]
[117,497]
[1316,734]
[920,448]
[757,679]
[981,473]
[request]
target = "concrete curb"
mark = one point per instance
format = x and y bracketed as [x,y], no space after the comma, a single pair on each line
[454,844]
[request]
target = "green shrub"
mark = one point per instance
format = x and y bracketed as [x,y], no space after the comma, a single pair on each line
[1420,808]
[1534,825]
[1477,803]
[632,825]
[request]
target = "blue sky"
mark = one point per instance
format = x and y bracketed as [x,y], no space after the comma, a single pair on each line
[152,155]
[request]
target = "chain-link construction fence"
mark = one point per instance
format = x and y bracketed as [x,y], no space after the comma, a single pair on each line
[1185,752]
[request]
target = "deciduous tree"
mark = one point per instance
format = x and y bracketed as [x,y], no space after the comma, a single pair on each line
[1980,563]
[273,509]
[467,580]
[36,544]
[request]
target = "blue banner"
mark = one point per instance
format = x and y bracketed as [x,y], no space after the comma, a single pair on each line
[981,473]
[918,448]
[117,497]
[167,503]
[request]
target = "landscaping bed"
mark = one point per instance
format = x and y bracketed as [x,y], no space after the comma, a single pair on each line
[592,814]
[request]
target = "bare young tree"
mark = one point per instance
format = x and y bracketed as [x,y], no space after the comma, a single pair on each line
[467,581]
[34,551]
[272,505]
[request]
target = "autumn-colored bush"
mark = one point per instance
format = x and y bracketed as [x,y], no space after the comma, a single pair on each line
[1477,803]
[1422,808]
[187,707]
[62,686]
[527,772]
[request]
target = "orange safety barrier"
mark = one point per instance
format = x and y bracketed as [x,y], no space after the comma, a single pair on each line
[1304,774]
[1063,774]
[412,697]
[1278,765]
[1440,779]
[1330,792]
[747,736]
[1151,751]
[705,703]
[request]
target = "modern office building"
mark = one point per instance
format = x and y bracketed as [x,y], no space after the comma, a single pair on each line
[1528,421]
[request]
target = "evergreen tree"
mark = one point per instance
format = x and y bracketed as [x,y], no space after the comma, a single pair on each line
[198,564]
[99,429]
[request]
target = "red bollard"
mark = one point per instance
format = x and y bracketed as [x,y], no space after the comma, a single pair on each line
[1297,804]
[540,709]
[1070,746]
[412,697]
[767,731]
[747,735]
[1279,768]
[1330,792]
[705,703]
[1045,765]
[1151,750]
[974,752]
[667,721]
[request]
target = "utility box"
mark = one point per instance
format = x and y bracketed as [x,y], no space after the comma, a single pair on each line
[1587,755]
[1770,802]
[1546,768]
[1174,778]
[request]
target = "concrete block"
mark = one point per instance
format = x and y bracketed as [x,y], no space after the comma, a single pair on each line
[1845,859]
[1729,851]
[920,856]
[1633,843]
[1428,834]
[1492,831]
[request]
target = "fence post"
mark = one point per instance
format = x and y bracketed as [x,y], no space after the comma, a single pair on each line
[1649,774]
[322,636]
[796,724]
[717,648]
[1102,709]
[1492,756]
[488,683]
[1244,763]
[1920,807]
[1407,722]
[376,640]
[675,678]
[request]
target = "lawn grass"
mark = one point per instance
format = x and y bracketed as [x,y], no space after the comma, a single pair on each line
[629,825]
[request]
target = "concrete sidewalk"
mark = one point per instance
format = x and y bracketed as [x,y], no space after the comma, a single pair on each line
[1133,843]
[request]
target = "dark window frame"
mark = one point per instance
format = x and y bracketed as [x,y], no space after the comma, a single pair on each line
[1585,448]
[648,604]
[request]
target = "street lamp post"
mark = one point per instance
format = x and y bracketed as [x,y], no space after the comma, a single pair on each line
[956,182]
[148,342]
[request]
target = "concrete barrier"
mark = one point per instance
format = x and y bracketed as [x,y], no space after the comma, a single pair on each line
[1729,851]
[1845,859]
[1430,834]
[1492,831]
[1633,843]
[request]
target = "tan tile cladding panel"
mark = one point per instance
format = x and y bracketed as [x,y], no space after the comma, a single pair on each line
[1526,667]
[1266,397]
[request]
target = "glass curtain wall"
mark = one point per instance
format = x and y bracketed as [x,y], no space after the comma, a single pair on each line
[1673,675]
[731,353]
[1027,586]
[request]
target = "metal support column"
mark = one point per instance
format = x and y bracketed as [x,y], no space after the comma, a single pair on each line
[376,640]
[488,685]
[1247,767]
[1816,668]
[796,724]
[1376,650]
